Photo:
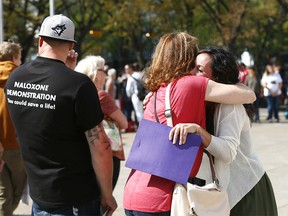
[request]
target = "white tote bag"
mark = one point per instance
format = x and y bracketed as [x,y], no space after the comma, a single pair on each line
[208,200]
[194,200]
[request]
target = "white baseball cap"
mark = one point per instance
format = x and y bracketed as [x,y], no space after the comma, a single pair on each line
[58,27]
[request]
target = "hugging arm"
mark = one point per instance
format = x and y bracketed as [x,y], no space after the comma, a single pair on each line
[147,99]
[101,156]
[215,145]
[230,120]
[229,94]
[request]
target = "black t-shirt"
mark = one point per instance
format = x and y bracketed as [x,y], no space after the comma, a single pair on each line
[51,107]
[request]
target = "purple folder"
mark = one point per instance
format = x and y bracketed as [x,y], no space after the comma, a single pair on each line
[152,152]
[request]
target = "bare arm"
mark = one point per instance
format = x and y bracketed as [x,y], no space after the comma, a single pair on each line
[119,118]
[109,86]
[229,94]
[101,156]
[181,130]
[279,89]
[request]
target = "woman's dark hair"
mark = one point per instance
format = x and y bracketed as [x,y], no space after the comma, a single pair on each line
[225,70]
[223,65]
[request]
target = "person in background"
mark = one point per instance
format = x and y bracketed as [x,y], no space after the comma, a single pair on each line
[57,116]
[278,70]
[110,86]
[12,171]
[272,84]
[93,67]
[134,74]
[172,62]
[243,72]
[238,168]
[126,103]
[253,83]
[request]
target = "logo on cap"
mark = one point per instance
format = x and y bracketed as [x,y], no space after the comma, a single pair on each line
[59,29]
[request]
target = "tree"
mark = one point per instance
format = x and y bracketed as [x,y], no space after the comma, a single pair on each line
[25,18]
[124,31]
[254,25]
[88,19]
[22,20]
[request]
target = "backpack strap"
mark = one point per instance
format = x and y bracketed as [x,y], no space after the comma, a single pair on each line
[135,78]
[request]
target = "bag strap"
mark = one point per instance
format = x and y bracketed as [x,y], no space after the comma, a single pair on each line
[168,111]
[214,177]
[135,79]
[155,112]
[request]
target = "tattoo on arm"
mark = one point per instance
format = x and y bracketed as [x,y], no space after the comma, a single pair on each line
[93,133]
[97,135]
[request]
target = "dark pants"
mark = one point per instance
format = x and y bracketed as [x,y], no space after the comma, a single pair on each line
[89,208]
[273,106]
[127,109]
[138,213]
[256,107]
[116,170]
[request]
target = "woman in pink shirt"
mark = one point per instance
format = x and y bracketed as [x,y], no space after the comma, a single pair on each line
[173,62]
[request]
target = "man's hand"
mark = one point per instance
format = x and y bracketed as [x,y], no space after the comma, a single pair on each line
[71,60]
[108,206]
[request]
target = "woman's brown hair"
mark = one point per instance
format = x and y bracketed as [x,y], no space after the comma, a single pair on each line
[174,57]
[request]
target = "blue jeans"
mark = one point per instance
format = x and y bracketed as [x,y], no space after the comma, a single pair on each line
[90,208]
[138,213]
[273,105]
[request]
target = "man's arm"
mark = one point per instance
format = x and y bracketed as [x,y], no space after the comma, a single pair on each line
[102,162]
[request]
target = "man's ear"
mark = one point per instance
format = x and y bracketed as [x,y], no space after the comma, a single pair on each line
[40,42]
[71,46]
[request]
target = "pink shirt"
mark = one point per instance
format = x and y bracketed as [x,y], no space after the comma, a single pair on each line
[148,193]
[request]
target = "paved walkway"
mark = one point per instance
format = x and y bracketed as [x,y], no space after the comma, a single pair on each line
[271,144]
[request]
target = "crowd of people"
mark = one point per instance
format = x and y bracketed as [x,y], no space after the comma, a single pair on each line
[53,136]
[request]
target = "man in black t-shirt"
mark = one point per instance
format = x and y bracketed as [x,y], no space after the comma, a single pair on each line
[57,117]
